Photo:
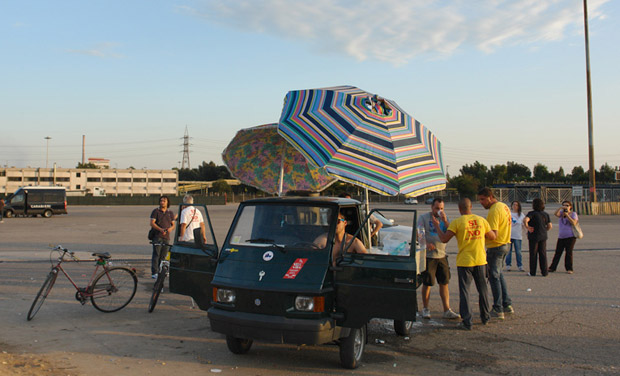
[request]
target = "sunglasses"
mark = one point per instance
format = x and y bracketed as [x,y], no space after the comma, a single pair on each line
[342,220]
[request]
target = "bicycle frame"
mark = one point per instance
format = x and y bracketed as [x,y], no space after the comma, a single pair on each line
[86,292]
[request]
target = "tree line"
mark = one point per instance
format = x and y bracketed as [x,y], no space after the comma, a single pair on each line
[476,175]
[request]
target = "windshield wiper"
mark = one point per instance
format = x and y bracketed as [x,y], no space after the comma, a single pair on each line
[267,241]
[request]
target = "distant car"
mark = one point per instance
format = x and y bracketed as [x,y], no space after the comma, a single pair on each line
[411,201]
[429,200]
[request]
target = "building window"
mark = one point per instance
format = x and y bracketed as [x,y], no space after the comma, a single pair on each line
[154,180]
[78,186]
[170,180]
[93,179]
[14,178]
[78,174]
[124,180]
[109,180]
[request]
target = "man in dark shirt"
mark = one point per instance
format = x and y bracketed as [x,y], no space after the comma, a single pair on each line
[162,221]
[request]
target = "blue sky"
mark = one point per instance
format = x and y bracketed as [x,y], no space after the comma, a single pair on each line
[495,80]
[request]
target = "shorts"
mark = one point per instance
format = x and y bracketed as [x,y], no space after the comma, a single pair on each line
[436,268]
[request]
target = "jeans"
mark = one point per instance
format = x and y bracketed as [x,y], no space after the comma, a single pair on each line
[495,259]
[159,253]
[516,244]
[466,274]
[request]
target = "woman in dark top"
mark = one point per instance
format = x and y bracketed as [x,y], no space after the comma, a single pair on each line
[538,224]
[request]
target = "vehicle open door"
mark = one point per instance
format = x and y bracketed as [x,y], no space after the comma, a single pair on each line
[193,256]
[382,283]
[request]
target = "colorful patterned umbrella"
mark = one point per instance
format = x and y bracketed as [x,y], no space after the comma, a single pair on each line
[261,158]
[363,139]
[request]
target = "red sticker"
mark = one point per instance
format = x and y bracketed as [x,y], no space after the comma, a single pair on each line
[295,268]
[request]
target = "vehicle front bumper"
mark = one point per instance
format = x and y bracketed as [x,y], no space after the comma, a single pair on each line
[276,329]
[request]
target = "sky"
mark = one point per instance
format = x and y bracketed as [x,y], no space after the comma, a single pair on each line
[495,80]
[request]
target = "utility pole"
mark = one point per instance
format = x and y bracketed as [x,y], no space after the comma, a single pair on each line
[590,125]
[47,149]
[185,150]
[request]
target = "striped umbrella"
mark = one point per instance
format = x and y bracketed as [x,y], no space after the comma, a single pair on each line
[261,158]
[363,139]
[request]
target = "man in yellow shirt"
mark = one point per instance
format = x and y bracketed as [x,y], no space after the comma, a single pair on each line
[500,220]
[470,231]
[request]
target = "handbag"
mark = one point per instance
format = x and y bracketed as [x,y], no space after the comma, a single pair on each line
[152,234]
[577,230]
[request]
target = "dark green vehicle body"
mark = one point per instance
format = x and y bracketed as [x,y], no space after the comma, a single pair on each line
[266,273]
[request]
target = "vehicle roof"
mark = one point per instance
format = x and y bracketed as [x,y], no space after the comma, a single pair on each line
[304,200]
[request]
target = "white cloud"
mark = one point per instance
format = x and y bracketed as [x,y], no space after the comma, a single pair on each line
[102,50]
[399,30]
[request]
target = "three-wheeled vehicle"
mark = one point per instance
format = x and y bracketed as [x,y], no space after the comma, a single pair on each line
[273,281]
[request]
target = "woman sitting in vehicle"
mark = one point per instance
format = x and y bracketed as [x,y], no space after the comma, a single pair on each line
[340,239]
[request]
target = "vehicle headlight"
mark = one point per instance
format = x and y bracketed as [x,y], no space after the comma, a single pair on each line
[225,296]
[310,303]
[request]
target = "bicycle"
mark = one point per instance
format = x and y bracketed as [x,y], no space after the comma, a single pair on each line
[164,272]
[109,290]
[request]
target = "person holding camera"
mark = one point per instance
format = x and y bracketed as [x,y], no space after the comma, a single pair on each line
[566,238]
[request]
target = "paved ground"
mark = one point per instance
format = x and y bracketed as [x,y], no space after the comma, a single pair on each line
[564,324]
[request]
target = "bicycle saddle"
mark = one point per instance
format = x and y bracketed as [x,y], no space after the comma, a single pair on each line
[103,255]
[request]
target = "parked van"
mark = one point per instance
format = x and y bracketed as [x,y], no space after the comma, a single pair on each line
[45,201]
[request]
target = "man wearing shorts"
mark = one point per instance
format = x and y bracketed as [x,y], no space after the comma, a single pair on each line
[437,267]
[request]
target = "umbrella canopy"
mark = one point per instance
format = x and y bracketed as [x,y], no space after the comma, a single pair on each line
[363,139]
[261,158]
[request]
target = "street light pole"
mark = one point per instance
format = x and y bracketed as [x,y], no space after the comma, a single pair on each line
[47,149]
[589,94]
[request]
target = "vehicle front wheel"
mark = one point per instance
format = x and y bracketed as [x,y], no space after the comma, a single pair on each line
[8,214]
[47,213]
[352,348]
[402,328]
[238,345]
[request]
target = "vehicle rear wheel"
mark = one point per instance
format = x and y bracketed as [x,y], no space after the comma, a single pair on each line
[352,348]
[238,345]
[8,214]
[402,328]
[47,213]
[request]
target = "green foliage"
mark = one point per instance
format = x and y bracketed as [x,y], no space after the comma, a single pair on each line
[478,171]
[466,185]
[86,165]
[221,186]
[516,172]
[205,172]
[541,173]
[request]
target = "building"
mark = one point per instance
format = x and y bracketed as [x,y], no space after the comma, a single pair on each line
[80,182]
[100,162]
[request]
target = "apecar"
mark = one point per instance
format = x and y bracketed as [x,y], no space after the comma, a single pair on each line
[274,281]
[33,201]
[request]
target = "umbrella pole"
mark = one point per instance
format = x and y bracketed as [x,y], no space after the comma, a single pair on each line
[367,212]
[282,169]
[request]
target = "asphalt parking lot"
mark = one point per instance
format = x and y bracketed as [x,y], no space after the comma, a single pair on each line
[563,324]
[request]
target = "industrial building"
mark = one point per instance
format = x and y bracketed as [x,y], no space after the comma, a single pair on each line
[82,182]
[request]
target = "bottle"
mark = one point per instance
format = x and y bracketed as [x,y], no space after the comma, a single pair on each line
[421,237]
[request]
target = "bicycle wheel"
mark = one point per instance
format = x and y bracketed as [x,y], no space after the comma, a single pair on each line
[113,289]
[43,293]
[157,287]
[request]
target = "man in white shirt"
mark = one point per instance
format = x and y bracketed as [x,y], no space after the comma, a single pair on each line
[191,218]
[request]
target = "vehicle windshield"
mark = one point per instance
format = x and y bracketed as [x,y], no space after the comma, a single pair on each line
[288,226]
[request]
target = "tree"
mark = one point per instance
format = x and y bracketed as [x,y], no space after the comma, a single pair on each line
[477,171]
[578,175]
[541,173]
[497,174]
[517,172]
[606,174]
[221,186]
[466,185]
[85,165]
[559,175]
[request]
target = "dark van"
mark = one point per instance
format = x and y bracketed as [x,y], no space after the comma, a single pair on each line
[273,281]
[33,201]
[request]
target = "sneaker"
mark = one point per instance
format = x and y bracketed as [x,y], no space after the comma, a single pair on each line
[451,315]
[569,271]
[154,276]
[426,313]
[498,314]
[509,309]
[462,326]
[530,275]
[550,270]
[521,269]
[508,268]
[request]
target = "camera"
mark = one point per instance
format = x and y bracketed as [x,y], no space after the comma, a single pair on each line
[565,210]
